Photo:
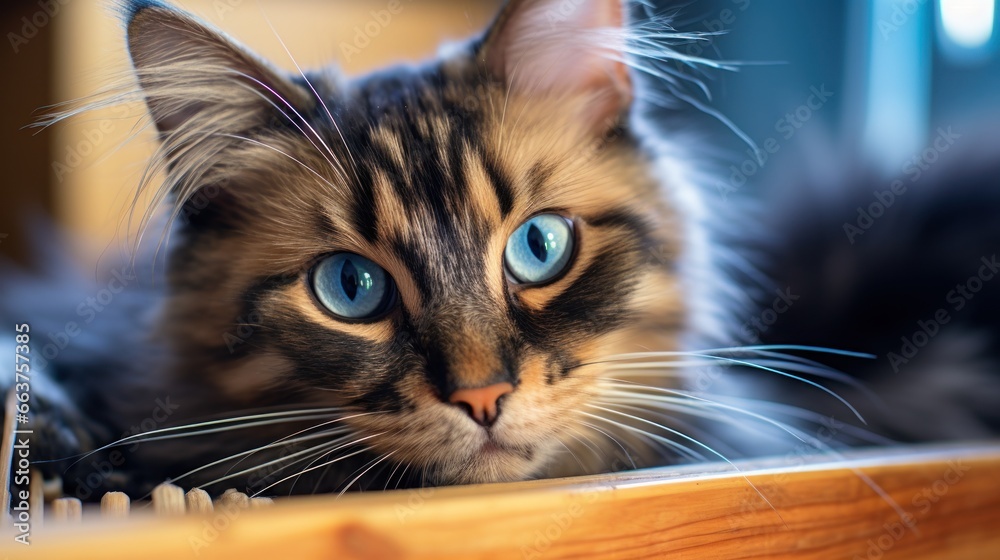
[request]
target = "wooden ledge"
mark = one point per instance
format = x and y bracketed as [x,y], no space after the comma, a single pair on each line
[947,506]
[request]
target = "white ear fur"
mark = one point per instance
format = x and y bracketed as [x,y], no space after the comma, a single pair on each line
[204,93]
[560,48]
[188,70]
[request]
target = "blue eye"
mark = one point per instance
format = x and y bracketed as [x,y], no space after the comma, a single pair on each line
[540,249]
[352,286]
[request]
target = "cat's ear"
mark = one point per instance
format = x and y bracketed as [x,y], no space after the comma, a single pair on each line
[563,48]
[193,77]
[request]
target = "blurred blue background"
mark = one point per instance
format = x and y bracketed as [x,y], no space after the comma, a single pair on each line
[895,69]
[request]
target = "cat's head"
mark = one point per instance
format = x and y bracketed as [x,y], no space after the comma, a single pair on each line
[451,252]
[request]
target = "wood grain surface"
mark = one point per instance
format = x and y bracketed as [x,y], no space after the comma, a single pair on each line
[937,502]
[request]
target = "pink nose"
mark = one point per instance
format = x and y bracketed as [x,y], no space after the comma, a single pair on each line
[482,403]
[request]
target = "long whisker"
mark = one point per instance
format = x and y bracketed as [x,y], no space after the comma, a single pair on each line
[315,459]
[331,157]
[341,458]
[684,398]
[290,416]
[303,455]
[775,361]
[798,434]
[783,374]
[287,155]
[401,475]
[357,478]
[583,440]
[319,98]
[297,476]
[675,445]
[310,428]
[753,348]
[573,455]
[613,439]
[639,404]
[249,452]
[699,403]
[392,474]
[694,441]
[229,428]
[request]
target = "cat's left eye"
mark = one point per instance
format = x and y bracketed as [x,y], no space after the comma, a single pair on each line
[540,250]
[353,287]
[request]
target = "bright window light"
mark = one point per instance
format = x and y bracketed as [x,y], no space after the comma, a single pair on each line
[968,23]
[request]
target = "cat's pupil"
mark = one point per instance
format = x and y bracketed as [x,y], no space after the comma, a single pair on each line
[536,242]
[349,279]
[351,286]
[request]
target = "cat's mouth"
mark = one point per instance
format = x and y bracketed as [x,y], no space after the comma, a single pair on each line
[495,448]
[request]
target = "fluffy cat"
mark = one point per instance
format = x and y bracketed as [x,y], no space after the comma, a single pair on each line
[478,269]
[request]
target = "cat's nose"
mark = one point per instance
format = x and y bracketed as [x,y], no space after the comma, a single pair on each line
[482,403]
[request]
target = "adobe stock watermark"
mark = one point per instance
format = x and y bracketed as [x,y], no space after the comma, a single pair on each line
[750,334]
[914,168]
[243,331]
[269,472]
[88,309]
[715,27]
[957,298]
[786,127]
[93,137]
[33,24]
[560,522]
[756,326]
[726,17]
[366,33]
[613,131]
[224,513]
[774,488]
[561,12]
[544,538]
[922,502]
[224,7]
[902,12]
[415,500]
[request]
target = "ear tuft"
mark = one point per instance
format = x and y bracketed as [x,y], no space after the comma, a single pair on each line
[555,47]
[190,73]
[208,97]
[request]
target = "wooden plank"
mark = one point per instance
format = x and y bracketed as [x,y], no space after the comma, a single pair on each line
[948,497]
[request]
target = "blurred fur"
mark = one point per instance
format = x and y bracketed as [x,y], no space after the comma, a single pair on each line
[869,289]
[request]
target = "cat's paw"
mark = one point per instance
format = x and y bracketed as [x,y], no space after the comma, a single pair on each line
[61,443]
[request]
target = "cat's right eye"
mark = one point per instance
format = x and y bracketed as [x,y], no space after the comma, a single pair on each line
[540,250]
[353,287]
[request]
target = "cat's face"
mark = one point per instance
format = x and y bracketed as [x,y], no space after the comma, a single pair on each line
[448,252]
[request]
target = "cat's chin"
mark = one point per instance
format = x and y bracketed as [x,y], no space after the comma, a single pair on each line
[494,461]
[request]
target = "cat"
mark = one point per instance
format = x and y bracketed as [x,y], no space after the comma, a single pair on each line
[489,267]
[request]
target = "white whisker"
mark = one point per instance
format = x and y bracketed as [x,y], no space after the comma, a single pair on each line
[612,438]
[250,452]
[675,445]
[319,98]
[357,478]
[694,441]
[287,416]
[338,459]
[310,452]
[760,367]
